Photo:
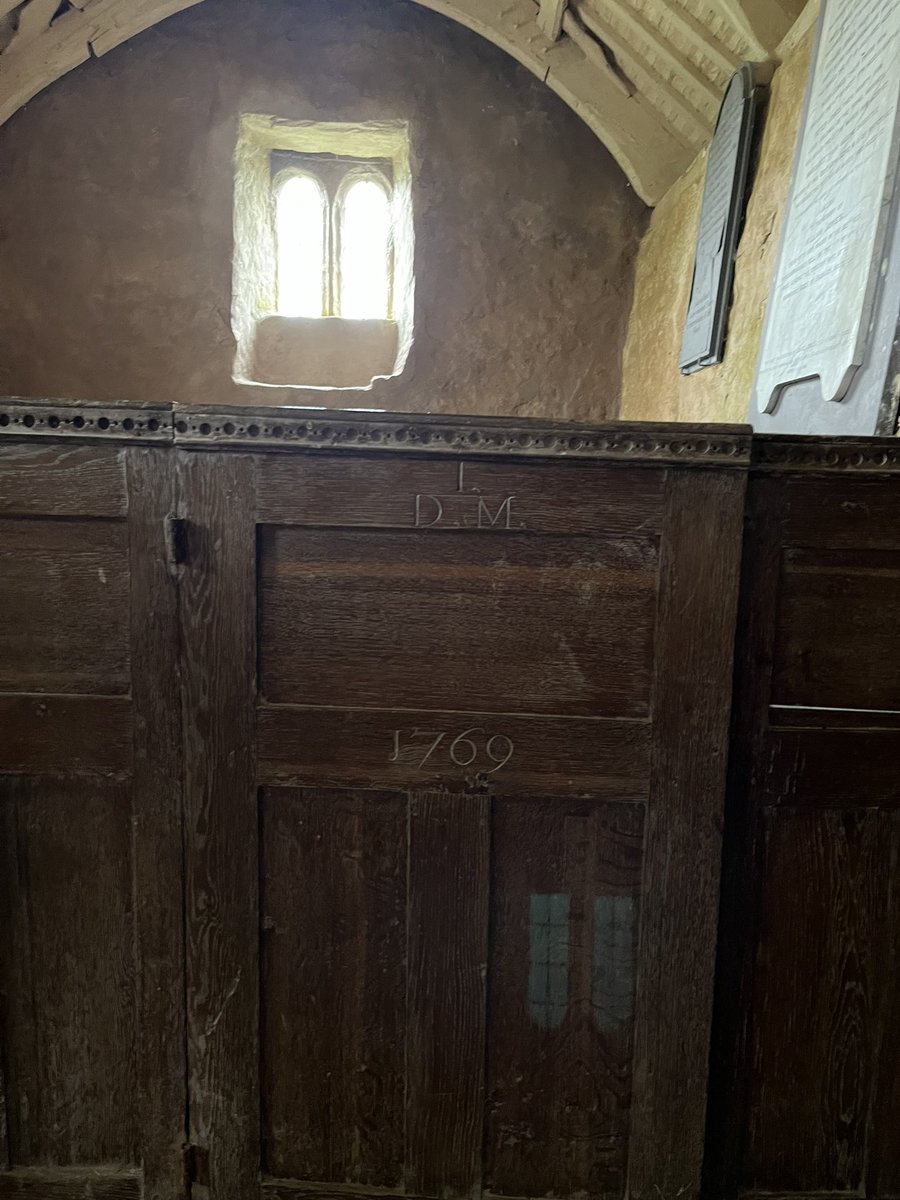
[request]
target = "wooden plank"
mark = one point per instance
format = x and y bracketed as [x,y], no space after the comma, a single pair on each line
[883,1145]
[157,844]
[838,638]
[565,908]
[536,497]
[372,748]
[64,599]
[71,1020]
[61,480]
[692,700]
[294,1189]
[65,733]
[447,922]
[221,841]
[48,1183]
[504,624]
[838,513]
[738,930]
[819,998]
[334,985]
[829,768]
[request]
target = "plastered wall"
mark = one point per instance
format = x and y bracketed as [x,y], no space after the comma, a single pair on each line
[116,213]
[653,388]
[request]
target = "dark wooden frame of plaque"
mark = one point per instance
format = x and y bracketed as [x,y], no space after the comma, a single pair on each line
[706,351]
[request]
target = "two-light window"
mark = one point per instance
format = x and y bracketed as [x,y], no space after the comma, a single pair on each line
[333,225]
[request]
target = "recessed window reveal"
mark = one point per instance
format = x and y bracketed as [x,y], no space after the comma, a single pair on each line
[323,283]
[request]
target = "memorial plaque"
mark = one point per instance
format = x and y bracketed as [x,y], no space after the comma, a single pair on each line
[721,212]
[834,260]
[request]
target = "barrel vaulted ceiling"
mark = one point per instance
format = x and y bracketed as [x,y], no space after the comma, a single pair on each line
[646,75]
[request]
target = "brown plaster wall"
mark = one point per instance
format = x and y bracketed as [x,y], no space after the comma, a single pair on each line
[653,387]
[116,194]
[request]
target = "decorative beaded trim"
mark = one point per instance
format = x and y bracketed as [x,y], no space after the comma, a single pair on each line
[119,422]
[630,442]
[827,455]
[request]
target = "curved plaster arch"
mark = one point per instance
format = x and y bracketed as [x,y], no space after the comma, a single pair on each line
[652,119]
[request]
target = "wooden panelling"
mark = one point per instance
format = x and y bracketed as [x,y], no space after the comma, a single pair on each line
[218,639]
[839,513]
[307,745]
[158,863]
[566,884]
[503,624]
[65,733]
[68,968]
[830,768]
[73,1184]
[56,479]
[828,910]
[695,640]
[448,919]
[562,497]
[64,599]
[334,985]
[838,640]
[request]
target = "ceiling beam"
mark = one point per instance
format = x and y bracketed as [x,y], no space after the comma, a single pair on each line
[550,18]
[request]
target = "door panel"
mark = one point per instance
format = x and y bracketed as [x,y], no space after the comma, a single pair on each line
[91,967]
[437,769]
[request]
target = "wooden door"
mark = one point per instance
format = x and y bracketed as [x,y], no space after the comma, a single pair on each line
[456,704]
[809,1039]
[92,1094]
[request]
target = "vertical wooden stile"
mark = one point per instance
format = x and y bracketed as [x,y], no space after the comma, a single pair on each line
[157,848]
[701,546]
[218,632]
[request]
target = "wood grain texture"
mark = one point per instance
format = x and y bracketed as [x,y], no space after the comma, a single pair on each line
[53,734]
[448,928]
[840,513]
[157,841]
[64,599]
[692,699]
[562,497]
[841,768]
[559,1087]
[46,1183]
[55,479]
[69,973]
[334,985]
[509,624]
[838,639]
[819,997]
[356,747]
[221,841]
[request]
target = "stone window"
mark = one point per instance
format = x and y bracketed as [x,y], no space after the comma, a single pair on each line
[323,285]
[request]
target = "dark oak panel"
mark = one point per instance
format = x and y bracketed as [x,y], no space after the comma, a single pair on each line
[566,886]
[65,733]
[400,749]
[838,640]
[830,768]
[840,514]
[68,964]
[334,984]
[74,1184]
[562,497]
[448,920]
[550,625]
[819,996]
[64,599]
[55,479]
